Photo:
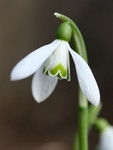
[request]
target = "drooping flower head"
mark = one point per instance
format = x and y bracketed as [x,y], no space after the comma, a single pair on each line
[58,63]
[106,135]
[106,139]
[51,62]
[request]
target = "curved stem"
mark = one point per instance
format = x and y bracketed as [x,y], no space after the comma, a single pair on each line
[78,41]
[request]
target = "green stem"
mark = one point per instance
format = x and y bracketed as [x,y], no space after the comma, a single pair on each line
[83,105]
[93,113]
[83,122]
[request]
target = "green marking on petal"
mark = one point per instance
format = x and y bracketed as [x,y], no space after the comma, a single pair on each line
[59,71]
[45,71]
[68,76]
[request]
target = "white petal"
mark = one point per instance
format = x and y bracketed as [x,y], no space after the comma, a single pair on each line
[42,85]
[106,139]
[86,79]
[58,62]
[28,65]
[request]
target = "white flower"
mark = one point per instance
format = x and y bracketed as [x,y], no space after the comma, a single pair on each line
[106,139]
[51,62]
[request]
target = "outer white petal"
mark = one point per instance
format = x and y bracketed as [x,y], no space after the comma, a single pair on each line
[106,139]
[86,79]
[28,65]
[42,85]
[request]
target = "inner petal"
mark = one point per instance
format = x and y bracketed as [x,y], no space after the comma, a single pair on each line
[58,63]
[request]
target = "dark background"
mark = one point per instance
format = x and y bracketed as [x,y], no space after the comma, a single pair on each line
[26,25]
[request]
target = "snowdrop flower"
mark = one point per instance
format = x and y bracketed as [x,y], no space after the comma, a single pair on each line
[50,63]
[106,139]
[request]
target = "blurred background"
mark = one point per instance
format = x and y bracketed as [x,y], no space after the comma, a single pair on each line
[26,25]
